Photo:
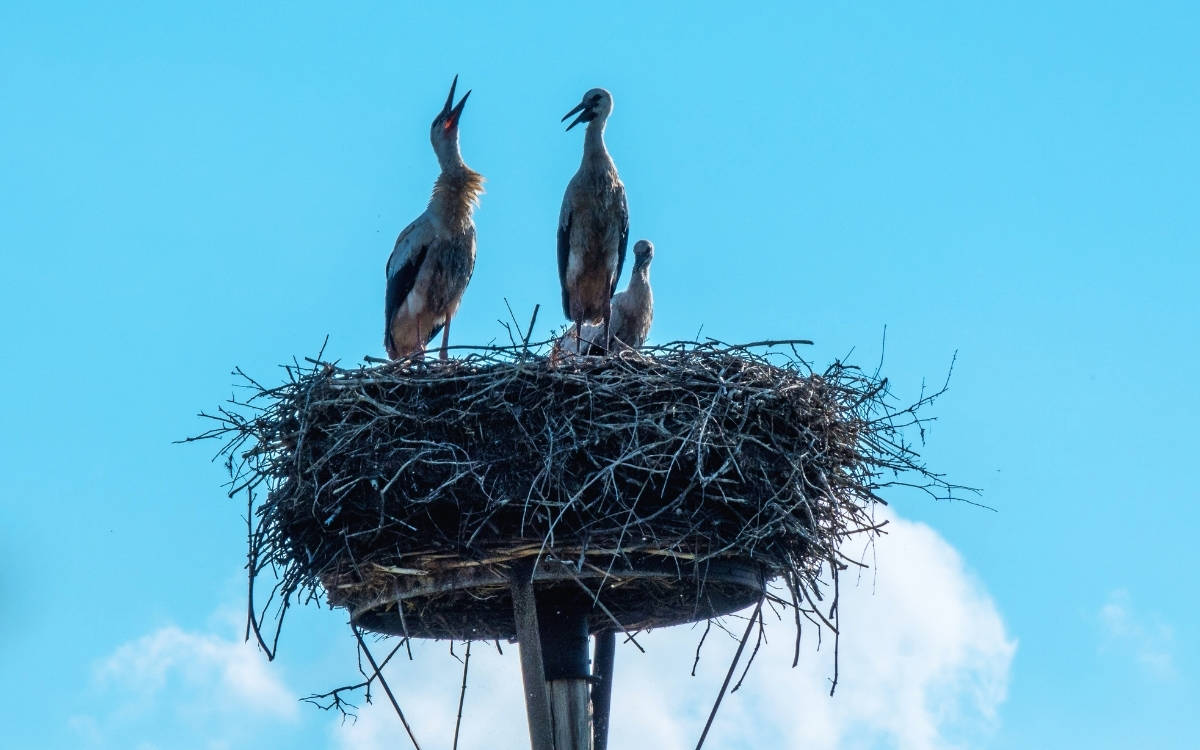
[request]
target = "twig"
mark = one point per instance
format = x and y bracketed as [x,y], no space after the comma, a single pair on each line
[729,675]
[462,694]
[386,688]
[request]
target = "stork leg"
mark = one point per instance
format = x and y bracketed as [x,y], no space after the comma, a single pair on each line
[445,355]
[581,346]
[607,329]
[418,351]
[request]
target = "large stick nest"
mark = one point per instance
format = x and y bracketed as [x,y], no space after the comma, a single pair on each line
[677,460]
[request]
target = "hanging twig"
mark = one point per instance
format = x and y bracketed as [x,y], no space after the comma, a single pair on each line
[334,698]
[707,627]
[758,641]
[386,689]
[462,695]
[729,675]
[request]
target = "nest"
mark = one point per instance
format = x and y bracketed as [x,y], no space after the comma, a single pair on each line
[665,485]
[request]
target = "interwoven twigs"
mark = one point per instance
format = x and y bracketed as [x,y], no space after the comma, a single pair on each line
[688,451]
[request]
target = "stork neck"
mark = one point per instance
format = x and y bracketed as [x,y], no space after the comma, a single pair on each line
[593,141]
[449,157]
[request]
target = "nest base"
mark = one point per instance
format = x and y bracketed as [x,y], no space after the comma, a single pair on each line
[476,603]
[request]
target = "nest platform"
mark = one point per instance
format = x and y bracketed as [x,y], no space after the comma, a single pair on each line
[658,487]
[474,602]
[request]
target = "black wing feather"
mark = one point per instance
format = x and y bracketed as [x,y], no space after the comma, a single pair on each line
[564,251]
[399,285]
[624,244]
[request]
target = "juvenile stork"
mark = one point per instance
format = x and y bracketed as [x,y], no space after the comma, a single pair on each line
[633,309]
[632,313]
[435,255]
[593,226]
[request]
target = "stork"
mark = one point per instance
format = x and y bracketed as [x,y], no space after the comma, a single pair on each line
[632,313]
[593,226]
[434,256]
[633,309]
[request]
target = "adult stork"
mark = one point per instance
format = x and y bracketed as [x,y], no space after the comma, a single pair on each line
[435,255]
[593,226]
[632,313]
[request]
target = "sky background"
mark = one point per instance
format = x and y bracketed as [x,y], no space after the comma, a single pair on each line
[187,189]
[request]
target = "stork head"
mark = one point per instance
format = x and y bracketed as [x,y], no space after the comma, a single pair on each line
[444,131]
[643,252]
[597,104]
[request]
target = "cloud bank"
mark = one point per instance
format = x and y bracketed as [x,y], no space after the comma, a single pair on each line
[181,689]
[924,665]
[218,675]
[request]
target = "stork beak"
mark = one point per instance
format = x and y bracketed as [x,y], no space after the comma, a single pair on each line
[450,98]
[452,120]
[451,114]
[585,115]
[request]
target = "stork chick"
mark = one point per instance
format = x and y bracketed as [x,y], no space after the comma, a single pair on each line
[434,256]
[589,341]
[593,226]
[632,313]
[633,309]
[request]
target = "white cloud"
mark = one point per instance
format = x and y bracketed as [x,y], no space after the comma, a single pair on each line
[427,690]
[222,675]
[924,665]
[1147,637]
[170,683]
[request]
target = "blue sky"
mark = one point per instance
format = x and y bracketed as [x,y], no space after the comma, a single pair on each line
[186,189]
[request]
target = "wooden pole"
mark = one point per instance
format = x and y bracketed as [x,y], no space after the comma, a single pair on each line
[552,637]
[602,679]
[564,631]
[572,719]
[533,673]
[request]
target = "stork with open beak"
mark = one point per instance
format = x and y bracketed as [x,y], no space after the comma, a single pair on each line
[434,256]
[593,226]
